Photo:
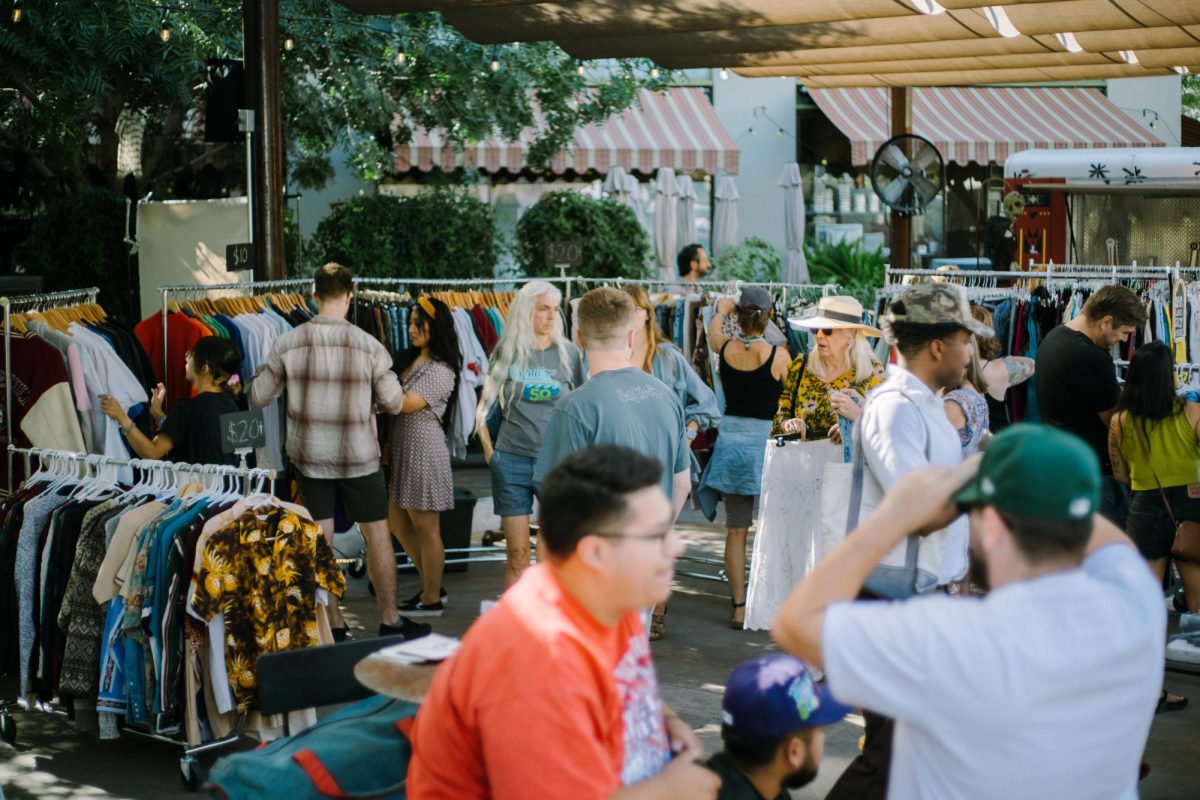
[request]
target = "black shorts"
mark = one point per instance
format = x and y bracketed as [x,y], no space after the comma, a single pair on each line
[1149,524]
[364,498]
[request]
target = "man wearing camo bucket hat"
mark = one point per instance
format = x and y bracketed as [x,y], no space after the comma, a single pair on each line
[903,428]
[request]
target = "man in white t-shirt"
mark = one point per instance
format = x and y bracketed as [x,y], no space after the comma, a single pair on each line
[1046,687]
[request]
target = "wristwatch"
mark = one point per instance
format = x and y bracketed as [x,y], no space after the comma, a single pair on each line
[691,433]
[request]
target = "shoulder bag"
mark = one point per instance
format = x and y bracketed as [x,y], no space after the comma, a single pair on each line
[1186,546]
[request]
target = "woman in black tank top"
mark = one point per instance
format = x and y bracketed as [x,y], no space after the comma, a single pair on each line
[751,374]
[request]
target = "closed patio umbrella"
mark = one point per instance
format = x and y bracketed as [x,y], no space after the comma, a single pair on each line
[725,216]
[622,187]
[687,210]
[665,223]
[796,270]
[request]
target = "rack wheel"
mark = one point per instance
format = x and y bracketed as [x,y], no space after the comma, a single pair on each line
[189,773]
[358,569]
[8,728]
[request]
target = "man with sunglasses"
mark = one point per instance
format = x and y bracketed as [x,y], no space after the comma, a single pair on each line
[553,693]
[1046,687]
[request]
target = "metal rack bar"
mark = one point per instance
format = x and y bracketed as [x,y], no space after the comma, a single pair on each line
[62,299]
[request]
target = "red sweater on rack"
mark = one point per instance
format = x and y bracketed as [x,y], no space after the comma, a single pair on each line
[182,334]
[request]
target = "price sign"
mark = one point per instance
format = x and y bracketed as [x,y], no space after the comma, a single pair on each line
[242,430]
[239,256]
[564,255]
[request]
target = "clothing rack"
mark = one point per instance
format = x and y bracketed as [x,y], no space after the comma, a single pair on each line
[31,302]
[729,287]
[254,481]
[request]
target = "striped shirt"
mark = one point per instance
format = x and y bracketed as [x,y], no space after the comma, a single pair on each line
[334,374]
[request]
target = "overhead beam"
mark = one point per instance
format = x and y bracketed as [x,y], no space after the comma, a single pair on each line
[962,77]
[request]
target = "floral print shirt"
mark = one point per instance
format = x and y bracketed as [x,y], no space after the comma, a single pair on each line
[262,572]
[810,399]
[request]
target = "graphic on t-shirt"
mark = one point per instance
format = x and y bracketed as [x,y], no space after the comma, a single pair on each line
[637,394]
[538,385]
[647,750]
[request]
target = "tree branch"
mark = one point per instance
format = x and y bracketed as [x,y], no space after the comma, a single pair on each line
[35,161]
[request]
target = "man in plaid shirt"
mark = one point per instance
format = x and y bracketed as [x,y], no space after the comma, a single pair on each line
[335,375]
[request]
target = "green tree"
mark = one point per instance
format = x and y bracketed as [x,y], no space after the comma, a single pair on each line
[70,68]
[614,243]
[1191,96]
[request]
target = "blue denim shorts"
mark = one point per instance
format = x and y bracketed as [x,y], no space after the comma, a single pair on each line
[512,484]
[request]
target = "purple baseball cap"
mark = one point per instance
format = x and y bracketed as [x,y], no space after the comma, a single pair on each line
[775,695]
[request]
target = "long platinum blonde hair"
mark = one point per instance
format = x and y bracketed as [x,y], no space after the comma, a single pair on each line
[518,342]
[859,356]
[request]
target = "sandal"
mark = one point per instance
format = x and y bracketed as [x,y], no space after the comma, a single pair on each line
[1165,703]
[737,625]
[658,626]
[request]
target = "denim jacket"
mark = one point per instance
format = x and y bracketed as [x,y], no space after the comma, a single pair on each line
[697,399]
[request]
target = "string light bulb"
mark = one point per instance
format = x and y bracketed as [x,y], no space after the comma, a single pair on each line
[581,69]
[289,43]
[724,74]
[16,12]
[654,72]
[164,30]
[400,58]
[495,65]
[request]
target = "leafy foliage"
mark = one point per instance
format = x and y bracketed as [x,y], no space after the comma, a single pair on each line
[438,234]
[858,272]
[614,243]
[752,259]
[1191,96]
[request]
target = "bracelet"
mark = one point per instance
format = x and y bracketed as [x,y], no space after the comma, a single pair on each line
[125,431]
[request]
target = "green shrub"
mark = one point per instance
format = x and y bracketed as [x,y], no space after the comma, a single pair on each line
[752,259]
[858,272]
[77,241]
[437,234]
[614,242]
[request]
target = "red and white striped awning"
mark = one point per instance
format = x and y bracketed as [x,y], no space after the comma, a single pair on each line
[985,124]
[678,128]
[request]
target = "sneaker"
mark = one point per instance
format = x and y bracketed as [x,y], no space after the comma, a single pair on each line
[406,628]
[341,634]
[415,600]
[419,609]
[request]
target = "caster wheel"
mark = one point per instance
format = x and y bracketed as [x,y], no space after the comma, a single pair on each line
[189,773]
[358,569]
[8,728]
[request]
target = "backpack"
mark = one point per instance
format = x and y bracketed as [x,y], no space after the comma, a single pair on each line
[327,760]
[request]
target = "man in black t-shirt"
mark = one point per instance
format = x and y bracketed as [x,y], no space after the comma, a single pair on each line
[771,720]
[1076,381]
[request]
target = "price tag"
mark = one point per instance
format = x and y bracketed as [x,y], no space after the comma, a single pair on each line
[239,256]
[567,255]
[242,430]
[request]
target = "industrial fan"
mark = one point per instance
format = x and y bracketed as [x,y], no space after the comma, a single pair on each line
[907,173]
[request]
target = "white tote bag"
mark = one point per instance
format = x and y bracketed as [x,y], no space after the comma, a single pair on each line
[788,538]
[850,492]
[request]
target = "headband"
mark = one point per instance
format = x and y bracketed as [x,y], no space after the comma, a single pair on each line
[427,307]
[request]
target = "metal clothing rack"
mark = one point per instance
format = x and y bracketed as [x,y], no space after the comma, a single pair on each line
[254,481]
[31,302]
[730,287]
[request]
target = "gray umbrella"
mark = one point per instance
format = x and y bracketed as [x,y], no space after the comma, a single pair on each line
[725,217]
[793,222]
[687,210]
[665,228]
[619,185]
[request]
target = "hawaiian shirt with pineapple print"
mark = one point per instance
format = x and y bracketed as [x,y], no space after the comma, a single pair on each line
[262,572]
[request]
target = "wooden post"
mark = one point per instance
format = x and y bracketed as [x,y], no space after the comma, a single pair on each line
[261,25]
[901,224]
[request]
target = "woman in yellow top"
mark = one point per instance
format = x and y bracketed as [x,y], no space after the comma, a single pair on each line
[832,380]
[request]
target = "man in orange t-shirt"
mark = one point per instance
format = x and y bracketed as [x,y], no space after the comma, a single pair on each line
[553,693]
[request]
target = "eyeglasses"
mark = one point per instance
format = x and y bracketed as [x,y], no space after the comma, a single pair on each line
[823,331]
[659,537]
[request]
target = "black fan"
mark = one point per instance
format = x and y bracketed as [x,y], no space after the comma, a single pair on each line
[907,173]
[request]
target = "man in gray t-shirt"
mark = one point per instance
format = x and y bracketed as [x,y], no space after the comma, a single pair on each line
[618,404]
[531,393]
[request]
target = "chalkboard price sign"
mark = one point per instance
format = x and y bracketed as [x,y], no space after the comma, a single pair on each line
[239,256]
[242,430]
[567,255]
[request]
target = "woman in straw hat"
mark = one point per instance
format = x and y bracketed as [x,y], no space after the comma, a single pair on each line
[820,400]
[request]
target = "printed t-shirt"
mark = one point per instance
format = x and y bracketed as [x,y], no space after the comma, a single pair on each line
[1076,381]
[1043,689]
[531,393]
[624,407]
[194,428]
[541,700]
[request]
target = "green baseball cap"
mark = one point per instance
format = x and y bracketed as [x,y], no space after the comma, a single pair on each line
[1069,490]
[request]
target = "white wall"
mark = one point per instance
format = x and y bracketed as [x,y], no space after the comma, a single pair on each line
[316,205]
[1141,98]
[745,103]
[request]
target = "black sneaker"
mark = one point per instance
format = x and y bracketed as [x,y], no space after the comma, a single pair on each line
[341,634]
[406,628]
[414,601]
[419,609]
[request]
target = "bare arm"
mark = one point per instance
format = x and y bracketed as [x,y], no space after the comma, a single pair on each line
[1120,468]
[413,402]
[716,336]
[920,502]
[681,487]
[1107,416]
[485,436]
[956,416]
[1193,414]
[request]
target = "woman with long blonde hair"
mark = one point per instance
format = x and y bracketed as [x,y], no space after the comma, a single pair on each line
[532,367]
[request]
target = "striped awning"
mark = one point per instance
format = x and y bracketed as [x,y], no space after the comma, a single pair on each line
[677,129]
[985,124]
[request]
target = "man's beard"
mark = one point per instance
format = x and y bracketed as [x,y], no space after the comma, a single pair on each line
[977,572]
[802,776]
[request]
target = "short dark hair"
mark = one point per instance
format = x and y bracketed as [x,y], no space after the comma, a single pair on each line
[332,280]
[1041,541]
[1118,302]
[587,489]
[757,751]
[911,337]
[686,256]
